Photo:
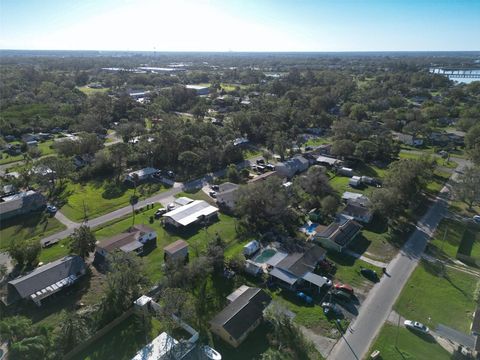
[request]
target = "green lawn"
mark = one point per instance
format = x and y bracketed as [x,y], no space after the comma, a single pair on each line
[96,197]
[448,236]
[7,159]
[409,344]
[348,270]
[316,141]
[433,299]
[89,91]
[26,227]
[340,185]
[45,147]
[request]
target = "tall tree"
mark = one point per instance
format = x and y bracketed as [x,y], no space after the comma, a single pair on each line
[82,241]
[467,186]
[73,330]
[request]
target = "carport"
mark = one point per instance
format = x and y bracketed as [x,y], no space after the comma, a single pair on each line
[314,279]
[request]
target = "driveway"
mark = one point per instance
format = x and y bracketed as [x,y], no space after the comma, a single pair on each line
[455,336]
[380,300]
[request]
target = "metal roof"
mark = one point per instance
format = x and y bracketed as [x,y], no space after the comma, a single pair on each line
[188,214]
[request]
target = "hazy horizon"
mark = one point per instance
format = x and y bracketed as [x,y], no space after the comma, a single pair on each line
[241,26]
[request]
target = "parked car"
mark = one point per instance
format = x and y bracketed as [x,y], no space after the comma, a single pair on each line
[341,295]
[170,174]
[304,297]
[51,209]
[369,274]
[211,353]
[270,167]
[415,325]
[158,214]
[170,206]
[331,309]
[328,282]
[260,162]
[215,187]
[476,218]
[344,287]
[228,274]
[213,194]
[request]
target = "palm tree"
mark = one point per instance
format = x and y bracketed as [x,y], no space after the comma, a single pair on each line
[73,331]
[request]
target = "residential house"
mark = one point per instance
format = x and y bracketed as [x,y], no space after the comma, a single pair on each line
[194,212]
[199,89]
[357,197]
[408,139]
[176,251]
[355,181]
[338,235]
[141,175]
[293,166]
[47,280]
[20,203]
[139,238]
[241,316]
[357,212]
[163,347]
[296,270]
[227,195]
[329,161]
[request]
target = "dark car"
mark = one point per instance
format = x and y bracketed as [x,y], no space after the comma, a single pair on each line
[270,167]
[213,194]
[369,274]
[215,187]
[170,174]
[260,161]
[158,214]
[331,309]
[341,295]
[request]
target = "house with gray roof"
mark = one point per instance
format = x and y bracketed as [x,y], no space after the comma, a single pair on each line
[338,235]
[227,195]
[241,316]
[46,280]
[296,270]
[291,167]
[20,203]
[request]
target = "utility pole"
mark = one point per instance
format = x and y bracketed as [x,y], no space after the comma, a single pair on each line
[398,331]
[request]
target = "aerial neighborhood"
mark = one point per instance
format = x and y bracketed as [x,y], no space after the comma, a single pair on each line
[218,206]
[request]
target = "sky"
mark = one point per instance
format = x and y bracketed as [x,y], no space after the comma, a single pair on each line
[241,25]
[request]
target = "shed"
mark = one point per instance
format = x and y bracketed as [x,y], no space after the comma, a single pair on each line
[345,171]
[251,248]
[355,181]
[177,250]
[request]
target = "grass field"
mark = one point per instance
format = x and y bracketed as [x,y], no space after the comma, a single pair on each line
[27,227]
[7,159]
[45,147]
[409,345]
[433,299]
[448,236]
[89,91]
[96,197]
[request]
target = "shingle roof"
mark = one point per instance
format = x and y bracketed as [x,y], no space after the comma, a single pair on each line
[126,241]
[356,210]
[47,275]
[341,233]
[300,263]
[243,312]
[175,246]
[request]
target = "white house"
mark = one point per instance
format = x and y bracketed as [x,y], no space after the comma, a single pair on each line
[142,174]
[198,210]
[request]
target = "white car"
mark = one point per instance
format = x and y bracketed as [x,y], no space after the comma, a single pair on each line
[210,353]
[415,325]
[328,282]
[476,218]
[171,206]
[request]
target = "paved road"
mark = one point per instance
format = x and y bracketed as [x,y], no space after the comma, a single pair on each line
[164,198]
[380,300]
[159,198]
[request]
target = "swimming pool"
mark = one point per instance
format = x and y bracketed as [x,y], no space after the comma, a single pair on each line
[265,255]
[309,229]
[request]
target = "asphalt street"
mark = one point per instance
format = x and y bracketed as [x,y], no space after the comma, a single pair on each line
[377,306]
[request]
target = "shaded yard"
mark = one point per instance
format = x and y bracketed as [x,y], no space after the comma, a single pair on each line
[34,225]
